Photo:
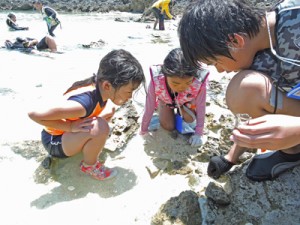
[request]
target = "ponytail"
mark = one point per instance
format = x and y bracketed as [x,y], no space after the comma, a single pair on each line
[82,83]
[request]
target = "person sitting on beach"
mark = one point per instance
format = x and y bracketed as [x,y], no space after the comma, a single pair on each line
[11,22]
[161,9]
[49,15]
[177,85]
[74,123]
[263,47]
[30,45]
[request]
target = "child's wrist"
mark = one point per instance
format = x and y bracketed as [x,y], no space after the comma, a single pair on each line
[143,132]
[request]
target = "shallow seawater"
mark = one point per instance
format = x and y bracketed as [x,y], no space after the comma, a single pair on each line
[25,78]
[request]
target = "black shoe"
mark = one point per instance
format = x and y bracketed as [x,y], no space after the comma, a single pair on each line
[217,166]
[270,165]
[46,163]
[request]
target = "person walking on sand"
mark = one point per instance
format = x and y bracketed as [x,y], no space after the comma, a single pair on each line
[263,47]
[74,123]
[160,9]
[49,15]
[177,85]
[11,22]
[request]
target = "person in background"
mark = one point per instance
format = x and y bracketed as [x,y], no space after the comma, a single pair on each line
[160,9]
[74,123]
[177,85]
[49,15]
[30,45]
[263,47]
[11,22]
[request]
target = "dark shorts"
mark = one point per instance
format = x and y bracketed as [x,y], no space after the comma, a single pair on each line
[42,45]
[158,14]
[52,143]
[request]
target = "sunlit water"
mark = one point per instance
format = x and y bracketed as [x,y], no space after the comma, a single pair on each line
[25,78]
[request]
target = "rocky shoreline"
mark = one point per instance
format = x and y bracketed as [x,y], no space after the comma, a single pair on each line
[76,6]
[86,6]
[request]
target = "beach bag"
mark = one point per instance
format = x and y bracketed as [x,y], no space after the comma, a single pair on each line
[183,127]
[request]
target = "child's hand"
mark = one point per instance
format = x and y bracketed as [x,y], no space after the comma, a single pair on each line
[82,125]
[196,140]
[268,132]
[142,133]
[147,136]
[109,115]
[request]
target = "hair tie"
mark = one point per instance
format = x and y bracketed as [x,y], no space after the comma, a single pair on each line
[95,78]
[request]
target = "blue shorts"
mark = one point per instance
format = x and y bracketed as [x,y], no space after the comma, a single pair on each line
[52,143]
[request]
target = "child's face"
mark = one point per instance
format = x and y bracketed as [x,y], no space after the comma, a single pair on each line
[123,94]
[37,6]
[178,84]
[225,64]
[14,18]
[242,53]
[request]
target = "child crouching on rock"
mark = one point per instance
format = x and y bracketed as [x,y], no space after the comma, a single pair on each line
[177,85]
[73,125]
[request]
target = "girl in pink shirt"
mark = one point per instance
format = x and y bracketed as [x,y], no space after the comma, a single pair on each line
[178,87]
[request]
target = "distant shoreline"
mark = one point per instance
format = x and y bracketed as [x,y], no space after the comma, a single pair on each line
[137,6]
[78,6]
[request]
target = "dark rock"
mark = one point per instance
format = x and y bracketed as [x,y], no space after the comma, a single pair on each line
[181,210]
[216,192]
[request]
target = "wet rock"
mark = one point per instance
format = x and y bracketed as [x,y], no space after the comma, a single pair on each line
[216,193]
[94,44]
[123,127]
[6,91]
[270,202]
[119,20]
[178,167]
[181,210]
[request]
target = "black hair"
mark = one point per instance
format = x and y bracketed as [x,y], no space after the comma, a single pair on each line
[207,26]
[175,65]
[118,67]
[38,2]
[9,21]
[10,15]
